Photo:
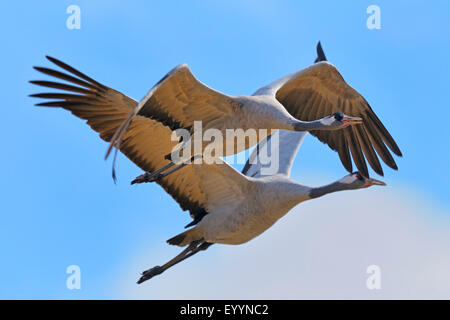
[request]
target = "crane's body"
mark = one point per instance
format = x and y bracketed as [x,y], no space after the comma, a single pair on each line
[254,119]
[266,200]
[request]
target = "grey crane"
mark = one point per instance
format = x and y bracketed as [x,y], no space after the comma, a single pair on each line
[233,207]
[227,206]
[314,99]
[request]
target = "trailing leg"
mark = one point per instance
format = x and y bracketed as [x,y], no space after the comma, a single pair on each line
[161,173]
[193,248]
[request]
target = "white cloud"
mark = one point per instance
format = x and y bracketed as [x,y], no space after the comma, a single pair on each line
[321,249]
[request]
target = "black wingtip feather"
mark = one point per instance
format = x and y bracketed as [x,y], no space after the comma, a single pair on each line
[74,71]
[369,153]
[320,53]
[357,154]
[379,145]
[61,86]
[67,77]
[343,151]
[384,133]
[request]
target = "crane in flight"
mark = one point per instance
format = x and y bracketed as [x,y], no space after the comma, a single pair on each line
[236,207]
[314,99]
[227,206]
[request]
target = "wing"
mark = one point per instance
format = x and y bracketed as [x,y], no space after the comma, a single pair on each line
[320,53]
[178,100]
[275,154]
[320,90]
[146,141]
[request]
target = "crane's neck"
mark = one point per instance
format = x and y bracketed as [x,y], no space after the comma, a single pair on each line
[329,188]
[291,193]
[265,111]
[320,124]
[296,193]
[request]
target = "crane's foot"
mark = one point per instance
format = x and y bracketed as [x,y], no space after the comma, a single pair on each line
[147,177]
[150,273]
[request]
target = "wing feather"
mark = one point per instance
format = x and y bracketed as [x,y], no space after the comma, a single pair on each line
[343,150]
[146,141]
[367,148]
[320,90]
[355,149]
[178,100]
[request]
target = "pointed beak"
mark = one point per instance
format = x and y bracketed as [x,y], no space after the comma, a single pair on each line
[347,120]
[374,182]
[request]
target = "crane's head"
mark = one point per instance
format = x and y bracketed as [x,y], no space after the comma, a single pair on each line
[339,120]
[356,180]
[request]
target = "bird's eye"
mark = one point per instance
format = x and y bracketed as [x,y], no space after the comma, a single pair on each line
[338,116]
[358,176]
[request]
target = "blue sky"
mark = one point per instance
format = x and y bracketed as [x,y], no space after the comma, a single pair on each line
[58,202]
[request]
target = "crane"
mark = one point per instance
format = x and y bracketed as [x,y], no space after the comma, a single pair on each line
[314,99]
[227,206]
[236,207]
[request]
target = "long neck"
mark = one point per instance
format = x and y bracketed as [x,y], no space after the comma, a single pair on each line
[329,188]
[310,125]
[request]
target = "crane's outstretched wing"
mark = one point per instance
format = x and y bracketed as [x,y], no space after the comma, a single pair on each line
[320,90]
[146,141]
[275,154]
[178,100]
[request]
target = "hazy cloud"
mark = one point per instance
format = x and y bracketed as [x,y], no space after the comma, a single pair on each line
[321,249]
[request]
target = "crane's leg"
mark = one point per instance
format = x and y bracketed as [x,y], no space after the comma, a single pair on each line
[193,248]
[149,177]
[158,174]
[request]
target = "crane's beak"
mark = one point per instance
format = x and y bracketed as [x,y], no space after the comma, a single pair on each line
[374,182]
[347,120]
